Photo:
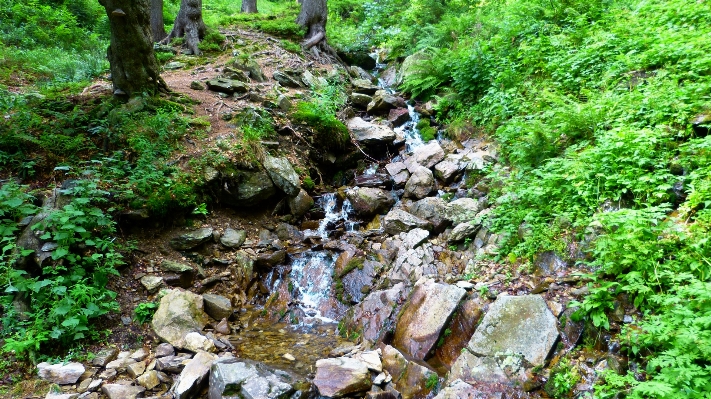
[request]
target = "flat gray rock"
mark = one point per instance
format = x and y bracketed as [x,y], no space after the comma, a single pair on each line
[121,391]
[232,378]
[370,133]
[193,376]
[217,306]
[233,238]
[341,376]
[192,239]
[60,373]
[518,325]
[282,174]
[398,221]
[420,184]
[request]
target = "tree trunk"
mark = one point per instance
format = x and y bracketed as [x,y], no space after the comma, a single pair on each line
[249,6]
[134,68]
[189,24]
[313,16]
[157,26]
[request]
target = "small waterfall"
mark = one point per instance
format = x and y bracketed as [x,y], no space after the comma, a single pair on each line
[311,274]
[409,130]
[329,203]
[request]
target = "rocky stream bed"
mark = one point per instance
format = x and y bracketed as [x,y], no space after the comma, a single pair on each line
[381,288]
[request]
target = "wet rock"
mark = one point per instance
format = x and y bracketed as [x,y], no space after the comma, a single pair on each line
[250,66]
[398,116]
[192,239]
[249,188]
[104,356]
[368,201]
[369,133]
[461,328]
[374,315]
[384,101]
[427,155]
[217,306]
[179,313]
[424,316]
[164,349]
[122,391]
[232,377]
[373,180]
[270,258]
[360,100]
[432,209]
[398,221]
[358,282]
[364,86]
[413,383]
[197,85]
[572,330]
[288,79]
[287,232]
[341,376]
[300,204]
[233,238]
[60,373]
[151,283]
[149,379]
[464,210]
[282,174]
[227,86]
[196,342]
[399,173]
[223,327]
[361,73]
[462,231]
[193,376]
[420,184]
[516,324]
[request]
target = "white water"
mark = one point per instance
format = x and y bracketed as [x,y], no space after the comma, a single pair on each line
[410,132]
[311,273]
[329,203]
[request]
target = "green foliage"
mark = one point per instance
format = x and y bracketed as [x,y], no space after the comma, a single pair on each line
[563,379]
[72,288]
[319,115]
[143,313]
[308,183]
[274,18]
[213,41]
[432,381]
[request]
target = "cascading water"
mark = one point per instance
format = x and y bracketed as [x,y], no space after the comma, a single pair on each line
[329,204]
[410,131]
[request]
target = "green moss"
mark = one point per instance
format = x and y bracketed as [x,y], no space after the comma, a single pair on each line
[329,132]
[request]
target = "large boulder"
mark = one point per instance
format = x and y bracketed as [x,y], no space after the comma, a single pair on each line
[450,168]
[282,174]
[461,329]
[368,201]
[424,316]
[383,102]
[341,376]
[300,204]
[369,133]
[60,373]
[464,209]
[232,378]
[179,313]
[248,188]
[409,378]
[193,376]
[409,66]
[433,210]
[420,184]
[375,314]
[250,66]
[516,324]
[427,155]
[360,100]
[398,221]
[192,239]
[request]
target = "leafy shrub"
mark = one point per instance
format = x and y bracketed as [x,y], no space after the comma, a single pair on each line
[143,313]
[319,115]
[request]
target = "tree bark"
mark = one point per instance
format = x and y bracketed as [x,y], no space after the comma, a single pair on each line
[134,68]
[157,26]
[313,16]
[249,6]
[189,24]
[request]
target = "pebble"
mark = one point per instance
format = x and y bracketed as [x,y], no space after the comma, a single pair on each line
[289,357]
